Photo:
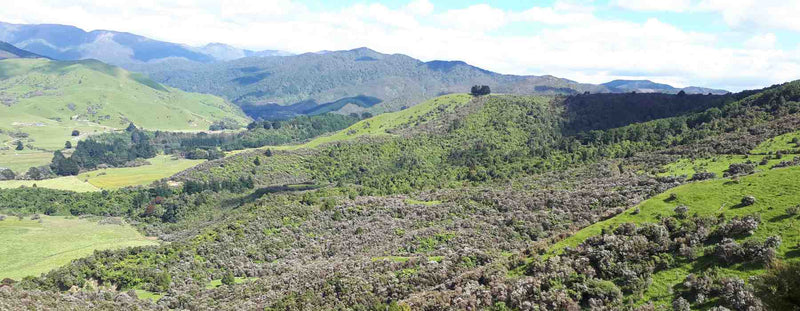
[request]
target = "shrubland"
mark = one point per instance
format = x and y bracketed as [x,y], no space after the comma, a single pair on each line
[463,208]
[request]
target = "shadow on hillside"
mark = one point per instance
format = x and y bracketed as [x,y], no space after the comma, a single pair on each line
[780,218]
[793,253]
[258,193]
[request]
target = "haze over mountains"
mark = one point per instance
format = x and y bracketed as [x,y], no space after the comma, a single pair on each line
[65,42]
[271,87]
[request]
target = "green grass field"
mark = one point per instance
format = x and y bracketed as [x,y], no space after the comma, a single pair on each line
[70,183]
[21,161]
[780,143]
[716,164]
[31,247]
[776,190]
[162,166]
[48,99]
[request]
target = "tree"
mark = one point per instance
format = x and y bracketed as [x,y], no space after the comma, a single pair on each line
[366,115]
[480,90]
[68,145]
[76,133]
[257,161]
[7,174]
[228,278]
[63,166]
[268,152]
[19,145]
[131,127]
[779,288]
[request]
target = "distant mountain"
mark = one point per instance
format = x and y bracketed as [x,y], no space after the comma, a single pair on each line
[9,51]
[44,100]
[647,86]
[345,78]
[224,52]
[64,42]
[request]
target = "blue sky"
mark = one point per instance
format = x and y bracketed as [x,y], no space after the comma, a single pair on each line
[730,44]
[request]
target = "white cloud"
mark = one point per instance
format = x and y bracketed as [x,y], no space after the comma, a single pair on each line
[566,40]
[420,7]
[762,42]
[654,5]
[764,14]
[480,17]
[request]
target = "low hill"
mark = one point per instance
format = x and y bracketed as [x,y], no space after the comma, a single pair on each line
[43,101]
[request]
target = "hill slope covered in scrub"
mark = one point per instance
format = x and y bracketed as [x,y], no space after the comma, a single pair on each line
[463,203]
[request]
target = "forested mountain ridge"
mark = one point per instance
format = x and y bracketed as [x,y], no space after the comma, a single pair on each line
[262,85]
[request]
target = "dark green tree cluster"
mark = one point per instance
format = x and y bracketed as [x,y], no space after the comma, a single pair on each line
[480,90]
[110,149]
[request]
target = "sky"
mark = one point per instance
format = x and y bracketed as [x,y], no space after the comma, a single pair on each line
[728,44]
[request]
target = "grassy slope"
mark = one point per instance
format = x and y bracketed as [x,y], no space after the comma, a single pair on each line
[162,166]
[780,143]
[380,124]
[776,190]
[69,183]
[53,98]
[30,247]
[716,164]
[20,161]
[114,178]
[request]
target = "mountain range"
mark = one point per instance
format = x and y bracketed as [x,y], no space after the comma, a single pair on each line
[271,87]
[65,42]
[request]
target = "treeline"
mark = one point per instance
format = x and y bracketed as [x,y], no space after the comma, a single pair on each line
[587,112]
[121,149]
[112,150]
[258,134]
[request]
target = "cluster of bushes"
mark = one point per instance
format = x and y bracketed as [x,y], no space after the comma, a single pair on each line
[292,240]
[114,150]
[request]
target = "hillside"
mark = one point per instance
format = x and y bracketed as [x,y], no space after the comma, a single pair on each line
[463,202]
[775,191]
[43,101]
